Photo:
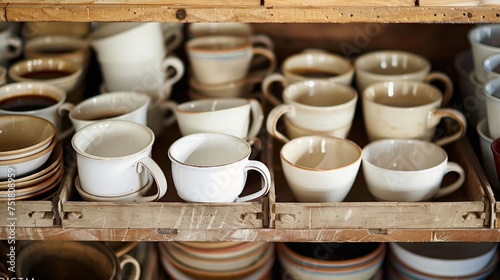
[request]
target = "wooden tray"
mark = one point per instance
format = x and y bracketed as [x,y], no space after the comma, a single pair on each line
[469,207]
[171,215]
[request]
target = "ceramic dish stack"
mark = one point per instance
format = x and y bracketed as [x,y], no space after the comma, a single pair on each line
[217,260]
[30,158]
[432,261]
[331,261]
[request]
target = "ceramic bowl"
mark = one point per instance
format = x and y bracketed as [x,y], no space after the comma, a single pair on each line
[25,165]
[37,188]
[445,259]
[135,196]
[45,193]
[220,253]
[23,136]
[38,175]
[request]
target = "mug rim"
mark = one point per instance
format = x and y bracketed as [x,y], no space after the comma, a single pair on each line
[31,46]
[358,62]
[333,86]
[183,108]
[196,32]
[94,126]
[75,70]
[474,33]
[195,50]
[288,71]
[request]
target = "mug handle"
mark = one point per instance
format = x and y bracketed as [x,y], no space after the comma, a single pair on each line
[266,87]
[438,114]
[156,173]
[266,184]
[16,44]
[268,55]
[263,40]
[452,167]
[448,84]
[60,111]
[178,65]
[172,41]
[257,118]
[273,118]
[165,107]
[129,260]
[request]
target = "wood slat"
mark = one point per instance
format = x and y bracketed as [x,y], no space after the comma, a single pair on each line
[199,3]
[89,13]
[37,214]
[340,3]
[3,7]
[458,3]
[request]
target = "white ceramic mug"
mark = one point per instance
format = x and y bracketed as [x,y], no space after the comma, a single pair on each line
[224,59]
[114,158]
[409,110]
[150,76]
[47,100]
[128,106]
[486,154]
[10,45]
[74,49]
[393,65]
[212,167]
[492,91]
[408,170]
[231,116]
[320,168]
[313,107]
[484,41]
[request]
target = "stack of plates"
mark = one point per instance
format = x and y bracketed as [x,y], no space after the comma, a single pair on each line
[217,260]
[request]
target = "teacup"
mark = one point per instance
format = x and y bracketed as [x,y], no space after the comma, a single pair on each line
[392,65]
[231,116]
[408,170]
[409,110]
[53,71]
[314,107]
[10,45]
[128,106]
[311,64]
[320,168]
[224,59]
[492,92]
[113,157]
[74,49]
[484,41]
[486,155]
[35,99]
[212,167]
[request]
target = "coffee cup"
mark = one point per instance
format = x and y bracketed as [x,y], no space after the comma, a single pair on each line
[224,59]
[114,158]
[10,45]
[408,170]
[81,260]
[393,65]
[486,155]
[212,167]
[408,110]
[320,168]
[71,48]
[314,107]
[234,116]
[484,41]
[35,99]
[53,71]
[128,106]
[492,91]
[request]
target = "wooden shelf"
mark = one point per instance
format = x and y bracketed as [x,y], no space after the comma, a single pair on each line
[18,11]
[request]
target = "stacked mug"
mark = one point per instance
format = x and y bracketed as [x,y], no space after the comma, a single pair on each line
[133,57]
[10,44]
[226,59]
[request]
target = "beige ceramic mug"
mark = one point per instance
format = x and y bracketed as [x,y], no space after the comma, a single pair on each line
[393,65]
[409,110]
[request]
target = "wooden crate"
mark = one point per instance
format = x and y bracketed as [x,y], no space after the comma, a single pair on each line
[338,3]
[456,3]
[171,215]
[469,207]
[200,3]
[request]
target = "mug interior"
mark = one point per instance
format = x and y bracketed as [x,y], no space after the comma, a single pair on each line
[404,155]
[211,105]
[26,96]
[109,105]
[112,139]
[209,149]
[320,153]
[316,65]
[492,89]
[392,63]
[488,35]
[43,69]
[318,94]
[402,94]
[55,45]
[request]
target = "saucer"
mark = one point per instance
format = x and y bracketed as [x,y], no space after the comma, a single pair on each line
[135,196]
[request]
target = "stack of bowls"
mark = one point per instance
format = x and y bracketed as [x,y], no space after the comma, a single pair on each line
[467,261]
[217,260]
[332,261]
[30,158]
